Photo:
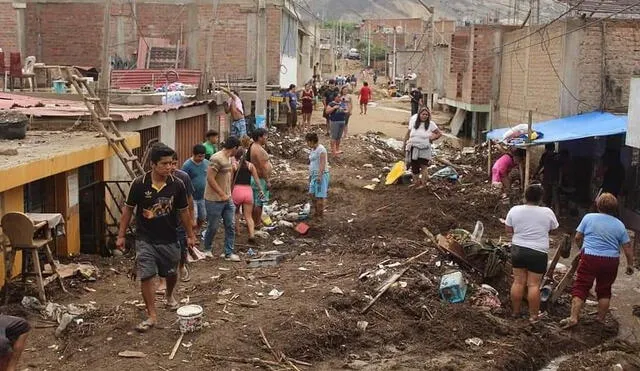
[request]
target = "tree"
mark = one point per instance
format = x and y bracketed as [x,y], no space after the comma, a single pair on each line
[378,53]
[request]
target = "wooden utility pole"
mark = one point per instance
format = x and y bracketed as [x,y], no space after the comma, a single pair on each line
[261,59]
[369,45]
[105,70]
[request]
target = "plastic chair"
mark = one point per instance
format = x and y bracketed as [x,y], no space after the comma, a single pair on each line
[3,71]
[18,71]
[20,231]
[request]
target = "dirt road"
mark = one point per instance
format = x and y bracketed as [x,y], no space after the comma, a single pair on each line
[310,306]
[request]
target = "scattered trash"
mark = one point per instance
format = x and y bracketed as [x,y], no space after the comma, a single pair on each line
[275,294]
[284,223]
[478,231]
[303,269]
[131,354]
[88,272]
[349,220]
[267,259]
[302,228]
[474,341]
[187,344]
[362,325]
[402,284]
[337,290]
[370,187]
[486,297]
[63,314]
[89,289]
[447,173]
[262,234]
[251,252]
[278,242]
[225,292]
[375,180]
[468,150]
[453,287]
[368,166]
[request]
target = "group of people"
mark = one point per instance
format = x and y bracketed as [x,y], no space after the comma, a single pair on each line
[600,236]
[172,204]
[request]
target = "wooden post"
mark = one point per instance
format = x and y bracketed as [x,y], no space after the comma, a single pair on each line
[527,161]
[489,128]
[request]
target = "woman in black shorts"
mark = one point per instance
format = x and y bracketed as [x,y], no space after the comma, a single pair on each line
[530,225]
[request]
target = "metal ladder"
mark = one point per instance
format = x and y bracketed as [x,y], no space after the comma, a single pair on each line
[105,124]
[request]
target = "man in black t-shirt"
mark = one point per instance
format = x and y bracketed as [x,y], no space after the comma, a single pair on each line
[328,95]
[416,100]
[158,198]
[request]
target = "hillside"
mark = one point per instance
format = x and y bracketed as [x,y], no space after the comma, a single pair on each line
[457,9]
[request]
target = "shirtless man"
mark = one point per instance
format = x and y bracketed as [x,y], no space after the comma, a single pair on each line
[234,107]
[259,157]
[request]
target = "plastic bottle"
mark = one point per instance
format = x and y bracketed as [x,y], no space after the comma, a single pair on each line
[306,209]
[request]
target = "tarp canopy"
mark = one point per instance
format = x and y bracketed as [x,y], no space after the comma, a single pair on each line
[587,125]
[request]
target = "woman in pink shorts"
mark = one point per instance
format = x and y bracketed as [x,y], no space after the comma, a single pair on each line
[500,171]
[242,194]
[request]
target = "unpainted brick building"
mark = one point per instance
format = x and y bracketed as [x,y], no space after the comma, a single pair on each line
[567,68]
[218,37]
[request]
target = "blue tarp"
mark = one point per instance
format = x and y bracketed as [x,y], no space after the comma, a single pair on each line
[587,125]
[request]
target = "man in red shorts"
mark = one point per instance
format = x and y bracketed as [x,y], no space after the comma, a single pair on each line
[365,96]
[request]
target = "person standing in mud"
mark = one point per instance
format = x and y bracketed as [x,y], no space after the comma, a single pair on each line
[318,173]
[530,225]
[158,199]
[417,143]
[235,107]
[600,236]
[258,156]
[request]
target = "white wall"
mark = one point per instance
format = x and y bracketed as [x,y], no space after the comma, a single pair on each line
[633,125]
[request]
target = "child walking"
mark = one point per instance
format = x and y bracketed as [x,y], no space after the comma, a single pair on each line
[318,173]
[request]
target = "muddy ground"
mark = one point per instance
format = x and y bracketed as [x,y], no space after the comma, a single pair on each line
[314,323]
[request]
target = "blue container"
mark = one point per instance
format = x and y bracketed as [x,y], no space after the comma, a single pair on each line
[453,287]
[59,87]
[260,121]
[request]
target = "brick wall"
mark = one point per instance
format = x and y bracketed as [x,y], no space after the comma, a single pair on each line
[65,33]
[71,33]
[622,60]
[8,36]
[459,64]
[527,80]
[483,63]
[532,77]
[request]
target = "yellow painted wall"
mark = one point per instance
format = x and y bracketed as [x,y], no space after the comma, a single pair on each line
[28,172]
[13,200]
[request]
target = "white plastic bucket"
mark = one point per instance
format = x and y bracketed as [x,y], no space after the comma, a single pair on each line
[190,318]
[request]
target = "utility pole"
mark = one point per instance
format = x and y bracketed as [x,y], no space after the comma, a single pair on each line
[261,62]
[369,45]
[394,60]
[105,71]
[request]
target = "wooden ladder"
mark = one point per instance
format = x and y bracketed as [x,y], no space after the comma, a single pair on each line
[105,124]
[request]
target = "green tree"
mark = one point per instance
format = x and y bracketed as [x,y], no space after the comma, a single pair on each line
[378,53]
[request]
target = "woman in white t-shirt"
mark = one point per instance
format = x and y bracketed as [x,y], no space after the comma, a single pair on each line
[530,225]
[417,143]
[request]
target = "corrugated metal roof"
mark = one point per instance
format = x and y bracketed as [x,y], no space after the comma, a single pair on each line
[135,79]
[44,107]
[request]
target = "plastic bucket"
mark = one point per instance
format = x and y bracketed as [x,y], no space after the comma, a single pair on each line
[260,121]
[190,318]
[59,87]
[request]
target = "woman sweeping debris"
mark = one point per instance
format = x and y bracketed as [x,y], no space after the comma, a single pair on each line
[530,225]
[417,143]
[318,173]
[600,236]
